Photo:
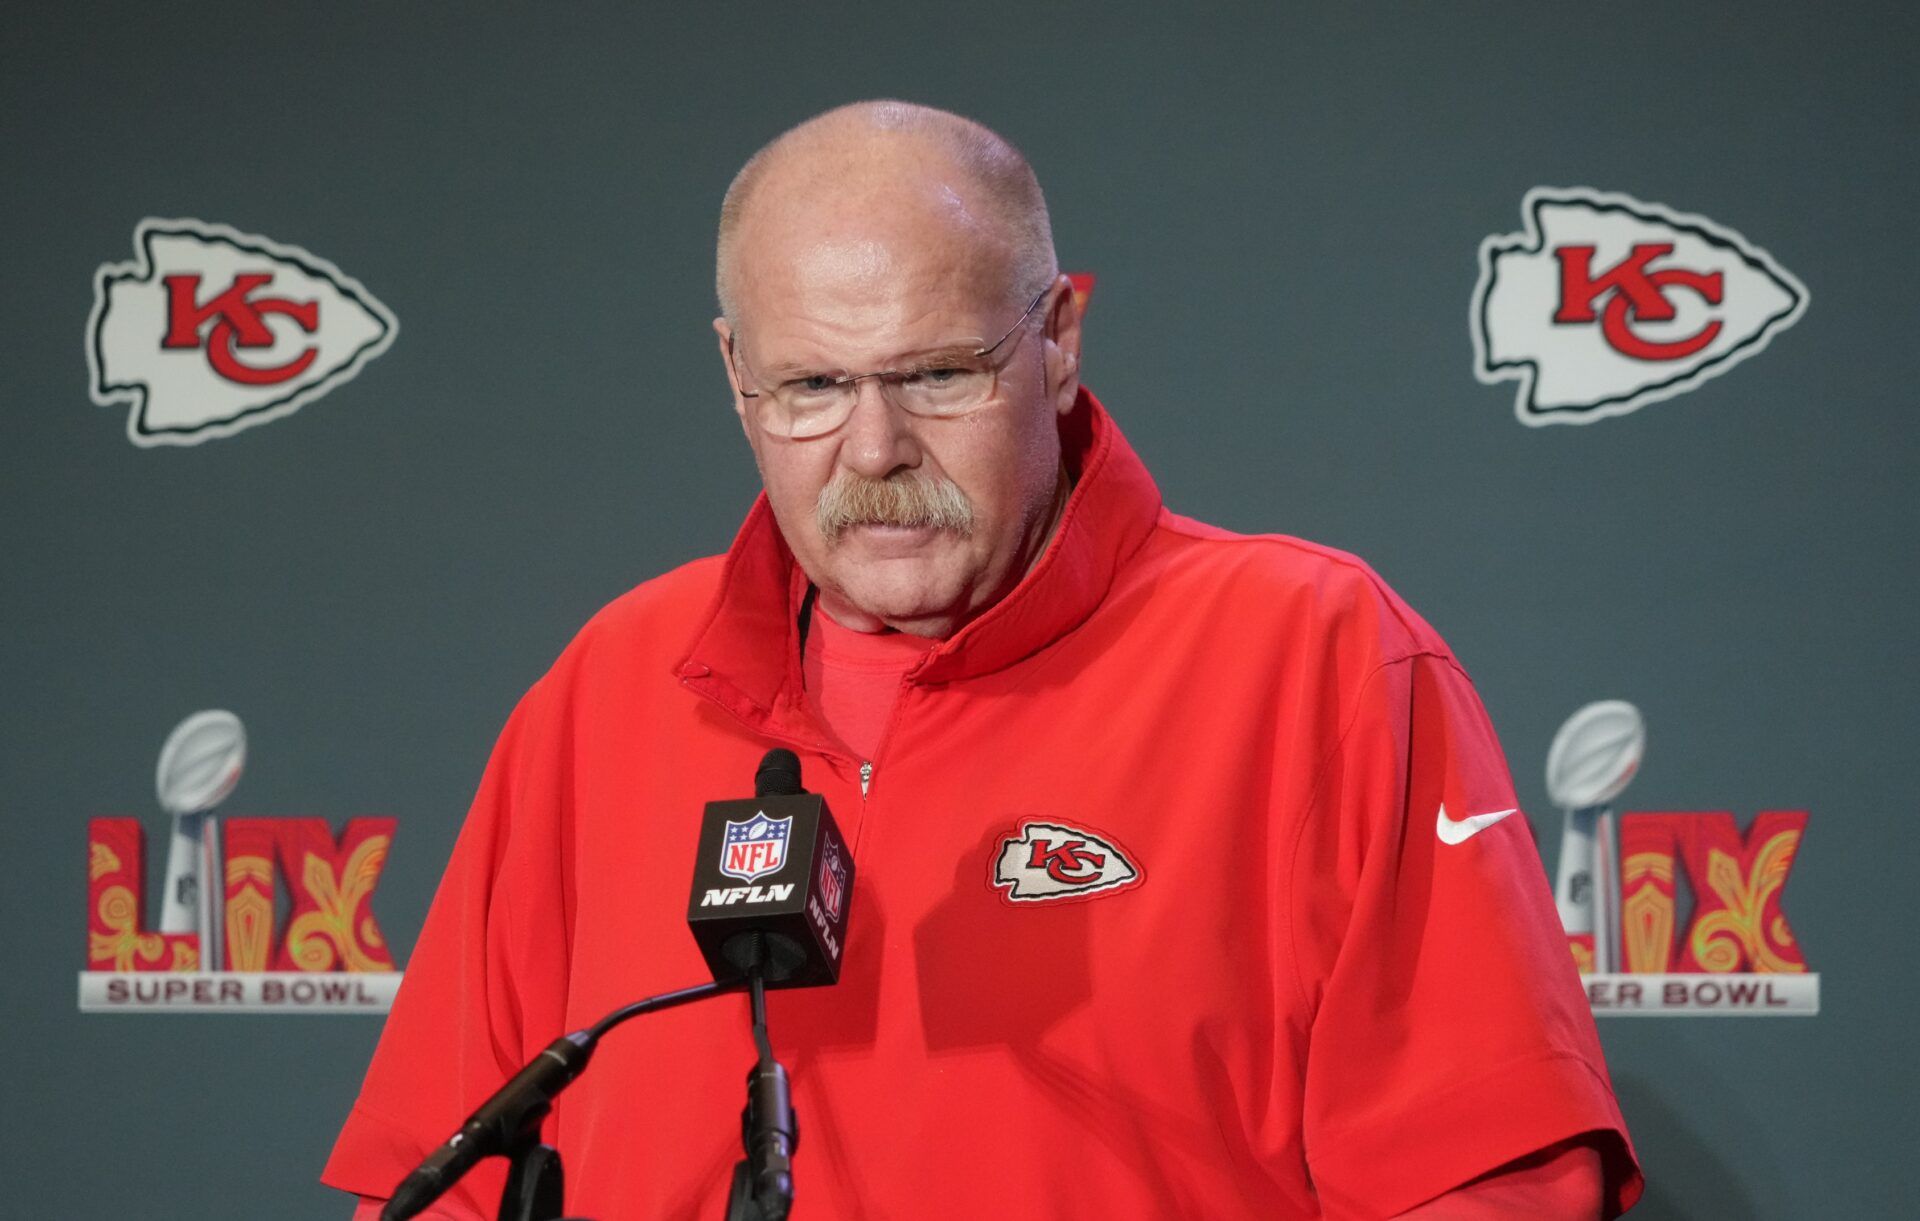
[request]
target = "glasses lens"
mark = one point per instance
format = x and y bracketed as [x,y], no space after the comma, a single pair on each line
[952,387]
[808,407]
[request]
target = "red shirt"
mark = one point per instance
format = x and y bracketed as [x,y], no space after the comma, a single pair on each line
[1152,916]
[853,678]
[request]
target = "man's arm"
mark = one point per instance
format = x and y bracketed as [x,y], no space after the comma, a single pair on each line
[1563,1182]
[1451,1046]
[483,971]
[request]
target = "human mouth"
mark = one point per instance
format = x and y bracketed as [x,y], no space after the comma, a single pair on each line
[888,537]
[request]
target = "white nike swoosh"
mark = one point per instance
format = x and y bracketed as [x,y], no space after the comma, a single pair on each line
[1452,832]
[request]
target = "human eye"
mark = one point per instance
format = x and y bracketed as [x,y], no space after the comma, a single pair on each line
[940,375]
[942,369]
[810,389]
[945,384]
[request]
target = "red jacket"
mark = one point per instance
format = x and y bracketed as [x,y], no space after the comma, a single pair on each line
[1151,914]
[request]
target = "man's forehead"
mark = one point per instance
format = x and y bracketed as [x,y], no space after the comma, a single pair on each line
[857,322]
[868,269]
[861,261]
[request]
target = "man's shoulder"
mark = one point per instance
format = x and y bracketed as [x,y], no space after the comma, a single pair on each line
[679,595]
[1279,582]
[649,626]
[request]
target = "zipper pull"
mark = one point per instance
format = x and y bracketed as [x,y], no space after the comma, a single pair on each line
[866,777]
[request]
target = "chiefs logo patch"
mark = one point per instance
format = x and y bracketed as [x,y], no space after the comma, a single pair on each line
[210,331]
[1042,861]
[1606,304]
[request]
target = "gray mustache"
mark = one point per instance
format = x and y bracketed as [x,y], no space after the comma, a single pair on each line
[906,499]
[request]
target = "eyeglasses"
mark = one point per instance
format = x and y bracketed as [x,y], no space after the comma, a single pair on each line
[939,386]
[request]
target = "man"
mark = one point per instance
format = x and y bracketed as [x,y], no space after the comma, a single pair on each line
[1189,879]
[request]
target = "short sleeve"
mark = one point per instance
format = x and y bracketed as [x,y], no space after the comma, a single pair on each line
[1449,1034]
[458,1025]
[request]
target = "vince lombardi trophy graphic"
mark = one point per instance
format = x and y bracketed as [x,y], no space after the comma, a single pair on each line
[1589,764]
[199,765]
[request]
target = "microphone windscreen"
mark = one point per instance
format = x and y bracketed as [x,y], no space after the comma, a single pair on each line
[778,775]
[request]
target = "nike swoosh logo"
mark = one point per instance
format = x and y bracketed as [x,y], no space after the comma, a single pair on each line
[1452,832]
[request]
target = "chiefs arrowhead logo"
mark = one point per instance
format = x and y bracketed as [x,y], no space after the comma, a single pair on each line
[210,331]
[1606,304]
[1042,861]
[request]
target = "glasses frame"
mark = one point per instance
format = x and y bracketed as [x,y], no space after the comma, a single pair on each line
[853,379]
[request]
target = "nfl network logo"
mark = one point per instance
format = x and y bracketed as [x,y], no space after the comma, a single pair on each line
[753,849]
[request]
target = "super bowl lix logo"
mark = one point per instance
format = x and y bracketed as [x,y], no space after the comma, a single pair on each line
[1623,880]
[221,945]
[1606,304]
[210,331]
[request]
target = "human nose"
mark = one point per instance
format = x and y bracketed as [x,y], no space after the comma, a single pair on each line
[879,438]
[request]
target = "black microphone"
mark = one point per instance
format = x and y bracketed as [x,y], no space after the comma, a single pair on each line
[778,775]
[784,927]
[770,901]
[496,1126]
[772,883]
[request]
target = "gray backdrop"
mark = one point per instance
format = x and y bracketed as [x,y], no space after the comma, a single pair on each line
[1282,206]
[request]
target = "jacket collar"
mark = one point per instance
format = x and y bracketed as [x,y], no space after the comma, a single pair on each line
[746,653]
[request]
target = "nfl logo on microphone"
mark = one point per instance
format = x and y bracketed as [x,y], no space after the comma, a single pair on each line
[755,848]
[833,880]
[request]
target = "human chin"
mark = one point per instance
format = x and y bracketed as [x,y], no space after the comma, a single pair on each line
[892,583]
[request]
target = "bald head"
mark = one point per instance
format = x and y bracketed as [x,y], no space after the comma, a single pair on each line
[888,164]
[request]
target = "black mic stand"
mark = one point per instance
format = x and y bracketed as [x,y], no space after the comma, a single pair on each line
[509,1122]
[762,1187]
[535,1181]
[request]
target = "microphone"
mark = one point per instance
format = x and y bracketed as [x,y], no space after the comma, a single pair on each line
[502,1120]
[770,902]
[778,775]
[772,882]
[783,928]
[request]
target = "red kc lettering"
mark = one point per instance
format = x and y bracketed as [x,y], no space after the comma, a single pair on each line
[240,322]
[1071,862]
[1632,291]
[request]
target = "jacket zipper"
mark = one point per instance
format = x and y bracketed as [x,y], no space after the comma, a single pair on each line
[866,777]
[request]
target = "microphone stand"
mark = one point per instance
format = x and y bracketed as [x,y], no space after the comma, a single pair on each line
[535,1182]
[762,1188]
[509,1122]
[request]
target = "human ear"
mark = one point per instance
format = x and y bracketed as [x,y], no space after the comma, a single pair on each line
[1062,330]
[724,332]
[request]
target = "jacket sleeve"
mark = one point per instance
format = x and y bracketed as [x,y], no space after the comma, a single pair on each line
[1449,1033]
[486,977]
